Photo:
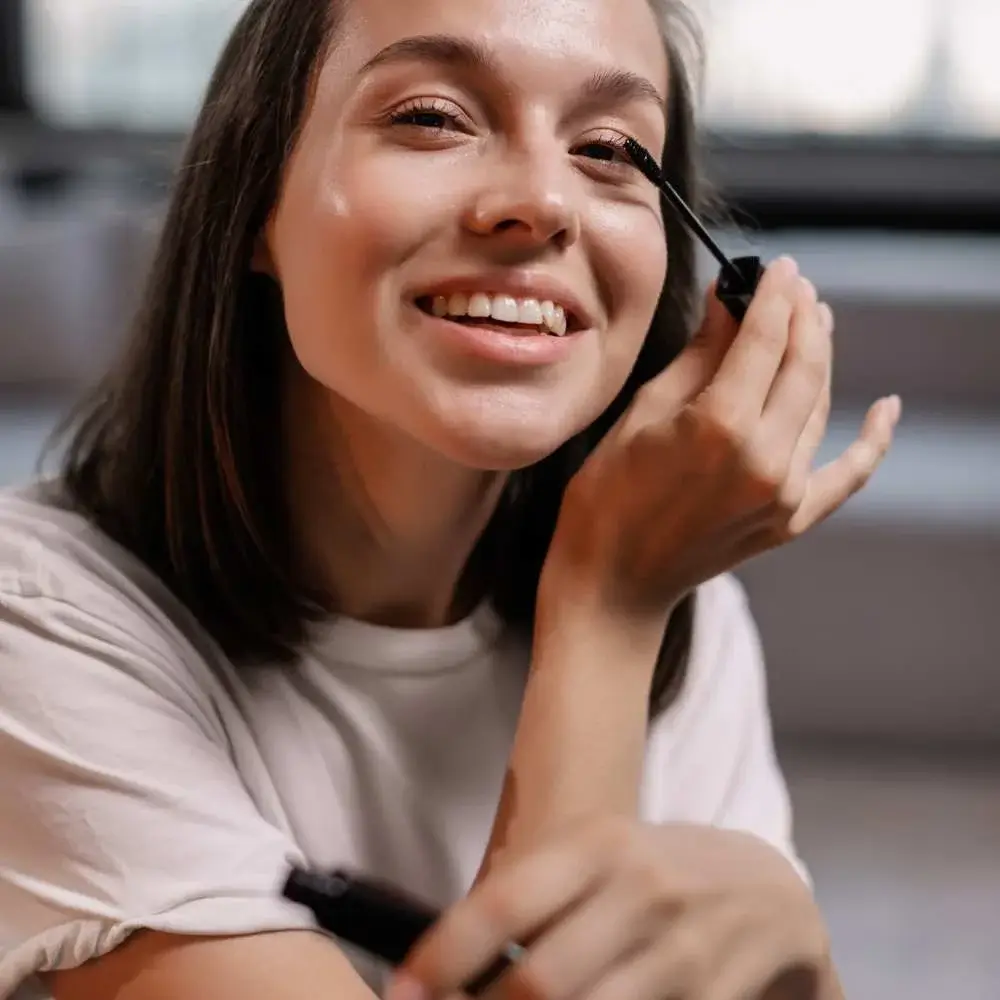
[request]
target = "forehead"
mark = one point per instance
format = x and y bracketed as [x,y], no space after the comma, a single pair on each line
[537,42]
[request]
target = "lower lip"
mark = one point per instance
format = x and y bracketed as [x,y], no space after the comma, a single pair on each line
[493,344]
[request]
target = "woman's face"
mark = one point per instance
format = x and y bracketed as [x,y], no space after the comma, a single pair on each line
[462,156]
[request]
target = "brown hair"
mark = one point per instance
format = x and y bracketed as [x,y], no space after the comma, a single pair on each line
[174,454]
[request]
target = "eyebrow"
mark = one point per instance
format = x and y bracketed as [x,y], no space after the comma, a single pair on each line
[605,87]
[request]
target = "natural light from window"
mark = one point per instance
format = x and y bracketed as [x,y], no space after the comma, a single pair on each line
[837,68]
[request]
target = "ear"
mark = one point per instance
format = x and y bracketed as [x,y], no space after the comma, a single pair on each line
[262,260]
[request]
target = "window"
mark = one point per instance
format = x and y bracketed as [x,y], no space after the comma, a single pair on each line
[840,67]
[831,113]
[854,67]
[138,65]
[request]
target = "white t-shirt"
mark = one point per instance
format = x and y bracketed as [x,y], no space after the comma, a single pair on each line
[146,783]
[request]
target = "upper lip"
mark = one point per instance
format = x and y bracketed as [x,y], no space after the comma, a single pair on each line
[519,286]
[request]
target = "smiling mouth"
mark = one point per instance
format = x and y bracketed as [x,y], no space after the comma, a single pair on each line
[501,312]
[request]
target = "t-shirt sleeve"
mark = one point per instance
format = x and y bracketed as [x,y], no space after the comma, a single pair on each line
[120,806]
[714,752]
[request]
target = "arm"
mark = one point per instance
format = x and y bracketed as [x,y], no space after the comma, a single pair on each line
[274,966]
[580,743]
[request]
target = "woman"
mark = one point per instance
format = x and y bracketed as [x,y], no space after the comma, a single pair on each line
[342,557]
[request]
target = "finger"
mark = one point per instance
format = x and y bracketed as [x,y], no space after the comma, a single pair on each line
[582,947]
[513,903]
[815,431]
[747,372]
[830,487]
[799,465]
[695,367]
[678,963]
[800,382]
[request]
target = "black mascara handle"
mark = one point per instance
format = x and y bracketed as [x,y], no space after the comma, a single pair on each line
[371,915]
[737,285]
[379,918]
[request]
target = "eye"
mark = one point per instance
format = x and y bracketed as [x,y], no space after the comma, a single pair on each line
[431,115]
[608,149]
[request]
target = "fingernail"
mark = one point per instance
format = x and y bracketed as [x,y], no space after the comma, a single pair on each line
[790,264]
[827,315]
[405,987]
[895,409]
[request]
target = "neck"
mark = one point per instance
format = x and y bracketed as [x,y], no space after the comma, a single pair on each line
[385,526]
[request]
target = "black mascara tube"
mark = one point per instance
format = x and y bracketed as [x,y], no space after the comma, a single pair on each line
[379,918]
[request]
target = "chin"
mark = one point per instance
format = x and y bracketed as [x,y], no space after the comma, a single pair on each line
[497,449]
[503,430]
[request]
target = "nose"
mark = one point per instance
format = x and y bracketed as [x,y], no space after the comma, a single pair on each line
[528,203]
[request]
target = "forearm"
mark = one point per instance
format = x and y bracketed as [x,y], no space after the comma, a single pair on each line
[581,737]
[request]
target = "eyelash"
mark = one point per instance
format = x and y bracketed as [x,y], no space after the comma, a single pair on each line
[409,114]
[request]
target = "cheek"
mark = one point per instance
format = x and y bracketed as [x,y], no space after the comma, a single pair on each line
[338,236]
[332,227]
[633,267]
[636,254]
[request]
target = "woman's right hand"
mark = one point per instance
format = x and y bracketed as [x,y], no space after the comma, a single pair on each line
[713,462]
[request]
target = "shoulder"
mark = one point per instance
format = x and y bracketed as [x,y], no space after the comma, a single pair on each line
[725,683]
[48,550]
[54,555]
[72,599]
[725,639]
[711,755]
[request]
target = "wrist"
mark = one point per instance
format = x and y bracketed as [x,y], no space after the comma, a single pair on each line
[571,594]
[572,608]
[585,575]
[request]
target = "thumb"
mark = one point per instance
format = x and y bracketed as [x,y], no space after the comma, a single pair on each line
[694,368]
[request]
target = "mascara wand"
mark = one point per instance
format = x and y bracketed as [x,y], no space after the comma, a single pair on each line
[740,276]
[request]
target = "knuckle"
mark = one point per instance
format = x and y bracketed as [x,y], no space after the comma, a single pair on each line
[690,956]
[789,498]
[812,358]
[499,906]
[815,368]
[766,475]
[863,458]
[656,886]
[771,333]
[716,423]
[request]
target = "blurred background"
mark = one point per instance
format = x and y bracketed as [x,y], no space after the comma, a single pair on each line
[862,136]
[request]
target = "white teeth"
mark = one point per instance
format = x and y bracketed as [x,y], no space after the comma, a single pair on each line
[547,316]
[480,306]
[504,309]
[559,323]
[529,312]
